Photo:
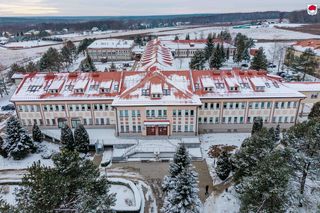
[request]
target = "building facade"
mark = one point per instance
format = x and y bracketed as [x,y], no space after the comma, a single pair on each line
[111,50]
[157,103]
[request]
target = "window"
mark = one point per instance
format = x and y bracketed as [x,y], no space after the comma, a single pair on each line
[256,105]
[152,113]
[138,113]
[191,112]
[205,120]
[211,120]
[217,105]
[262,105]
[229,119]
[133,113]
[174,128]
[250,105]
[268,105]
[179,113]
[191,128]
[241,120]
[205,105]
[166,92]
[186,128]
[179,128]
[224,105]
[217,120]
[280,119]
[186,112]
[174,113]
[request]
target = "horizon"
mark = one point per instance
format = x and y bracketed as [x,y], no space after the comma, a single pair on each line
[74,8]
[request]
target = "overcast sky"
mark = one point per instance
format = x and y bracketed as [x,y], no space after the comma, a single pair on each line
[142,7]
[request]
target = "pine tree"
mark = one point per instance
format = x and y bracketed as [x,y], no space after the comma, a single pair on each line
[277,133]
[84,44]
[31,67]
[17,144]
[188,37]
[87,65]
[3,152]
[180,186]
[51,61]
[307,63]
[252,151]
[289,57]
[315,111]
[67,138]
[259,61]
[265,190]
[228,54]
[66,55]
[303,140]
[257,125]
[176,38]
[223,167]
[36,133]
[72,183]
[81,138]
[243,44]
[209,48]
[184,197]
[216,60]
[198,61]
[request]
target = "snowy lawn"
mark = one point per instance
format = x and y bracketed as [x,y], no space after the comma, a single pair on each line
[223,139]
[46,149]
[7,192]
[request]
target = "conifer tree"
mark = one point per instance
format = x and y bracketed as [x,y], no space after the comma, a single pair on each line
[272,133]
[67,138]
[188,37]
[209,48]
[259,61]
[36,133]
[72,183]
[17,144]
[87,65]
[3,152]
[51,61]
[307,63]
[181,185]
[216,59]
[266,189]
[198,61]
[184,198]
[252,151]
[223,167]
[228,54]
[277,133]
[81,138]
[257,125]
[176,38]
[31,67]
[243,44]
[315,111]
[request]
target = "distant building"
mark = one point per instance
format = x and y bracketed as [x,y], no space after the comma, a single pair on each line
[111,50]
[187,48]
[314,45]
[157,102]
[312,92]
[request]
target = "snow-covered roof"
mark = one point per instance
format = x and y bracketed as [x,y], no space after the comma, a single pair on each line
[128,88]
[112,43]
[306,44]
[304,86]
[156,57]
[192,44]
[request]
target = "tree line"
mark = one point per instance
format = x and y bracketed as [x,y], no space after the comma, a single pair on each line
[271,171]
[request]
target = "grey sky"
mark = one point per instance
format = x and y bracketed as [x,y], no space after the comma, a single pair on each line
[142,7]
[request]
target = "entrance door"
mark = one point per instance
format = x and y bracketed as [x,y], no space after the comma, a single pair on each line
[151,131]
[163,130]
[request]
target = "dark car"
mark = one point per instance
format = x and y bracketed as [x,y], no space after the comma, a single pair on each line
[244,65]
[8,107]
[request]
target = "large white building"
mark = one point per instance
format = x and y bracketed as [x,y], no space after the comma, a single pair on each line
[111,50]
[157,102]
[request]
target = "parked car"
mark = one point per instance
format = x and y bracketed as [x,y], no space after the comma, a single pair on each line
[244,65]
[8,107]
[271,65]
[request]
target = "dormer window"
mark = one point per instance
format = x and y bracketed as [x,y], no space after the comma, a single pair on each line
[166,92]
[94,87]
[245,85]
[260,88]
[53,91]
[156,95]
[208,89]
[219,85]
[116,87]
[78,91]
[234,88]
[276,84]
[145,92]
[268,85]
[197,86]
[69,87]
[104,90]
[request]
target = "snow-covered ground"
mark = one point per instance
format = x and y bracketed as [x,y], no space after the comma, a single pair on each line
[8,193]
[120,65]
[28,44]
[8,163]
[227,139]
[226,202]
[256,33]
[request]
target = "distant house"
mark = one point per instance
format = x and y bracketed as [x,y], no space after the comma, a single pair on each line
[111,50]
[312,44]
[187,48]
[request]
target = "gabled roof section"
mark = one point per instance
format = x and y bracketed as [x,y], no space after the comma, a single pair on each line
[156,82]
[37,86]
[156,57]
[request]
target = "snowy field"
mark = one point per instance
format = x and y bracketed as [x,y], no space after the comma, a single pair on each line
[28,44]
[271,33]
[47,148]
[8,193]
[120,65]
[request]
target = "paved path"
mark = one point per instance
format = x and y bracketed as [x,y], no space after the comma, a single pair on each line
[153,172]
